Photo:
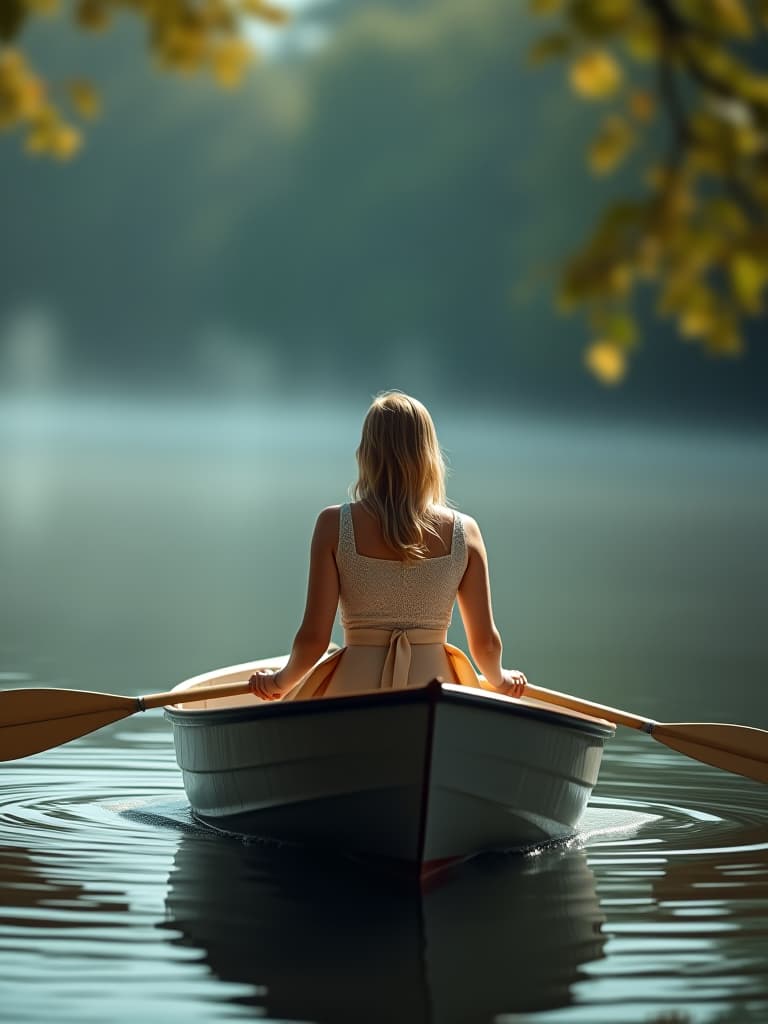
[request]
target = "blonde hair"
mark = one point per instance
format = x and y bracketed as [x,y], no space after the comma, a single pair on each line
[401,472]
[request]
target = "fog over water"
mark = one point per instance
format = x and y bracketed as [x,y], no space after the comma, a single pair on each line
[613,551]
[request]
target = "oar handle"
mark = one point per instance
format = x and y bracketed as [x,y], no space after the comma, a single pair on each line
[194,693]
[565,700]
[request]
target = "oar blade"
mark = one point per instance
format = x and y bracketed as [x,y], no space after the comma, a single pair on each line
[39,704]
[734,748]
[32,737]
[38,719]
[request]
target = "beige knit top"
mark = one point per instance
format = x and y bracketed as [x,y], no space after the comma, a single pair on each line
[393,594]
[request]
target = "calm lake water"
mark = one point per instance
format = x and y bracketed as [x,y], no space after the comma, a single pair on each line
[140,545]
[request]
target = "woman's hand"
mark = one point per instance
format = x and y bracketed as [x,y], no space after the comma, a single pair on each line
[266,684]
[513,682]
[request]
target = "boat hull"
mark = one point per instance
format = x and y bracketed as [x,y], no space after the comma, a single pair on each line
[418,776]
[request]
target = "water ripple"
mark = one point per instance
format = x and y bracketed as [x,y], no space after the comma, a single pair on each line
[93,896]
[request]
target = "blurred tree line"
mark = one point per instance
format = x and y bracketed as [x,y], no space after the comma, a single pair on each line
[405,194]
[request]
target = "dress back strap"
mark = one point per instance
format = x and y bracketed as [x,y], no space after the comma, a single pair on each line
[458,541]
[346,532]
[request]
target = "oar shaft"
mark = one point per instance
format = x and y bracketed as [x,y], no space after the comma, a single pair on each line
[194,693]
[565,700]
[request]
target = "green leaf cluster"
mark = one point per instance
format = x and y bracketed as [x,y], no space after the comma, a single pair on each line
[186,36]
[683,86]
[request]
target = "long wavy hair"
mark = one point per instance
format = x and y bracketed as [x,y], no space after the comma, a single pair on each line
[401,472]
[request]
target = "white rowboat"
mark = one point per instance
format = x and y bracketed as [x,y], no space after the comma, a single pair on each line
[418,776]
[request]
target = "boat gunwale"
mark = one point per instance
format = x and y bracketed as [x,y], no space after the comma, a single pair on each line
[433,692]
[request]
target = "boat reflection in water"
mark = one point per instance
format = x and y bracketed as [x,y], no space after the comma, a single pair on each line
[327,940]
[47,883]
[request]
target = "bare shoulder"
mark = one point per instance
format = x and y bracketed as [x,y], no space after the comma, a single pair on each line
[327,525]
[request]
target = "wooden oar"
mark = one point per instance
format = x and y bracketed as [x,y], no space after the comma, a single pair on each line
[740,749]
[38,719]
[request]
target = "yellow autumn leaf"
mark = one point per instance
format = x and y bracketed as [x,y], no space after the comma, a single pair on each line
[184,47]
[606,361]
[41,6]
[749,277]
[66,141]
[612,144]
[21,93]
[643,39]
[85,99]
[31,97]
[621,328]
[265,11]
[92,15]
[11,62]
[49,134]
[596,75]
[229,62]
[725,216]
[696,322]
[733,17]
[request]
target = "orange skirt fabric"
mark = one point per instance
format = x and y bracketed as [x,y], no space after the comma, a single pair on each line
[375,658]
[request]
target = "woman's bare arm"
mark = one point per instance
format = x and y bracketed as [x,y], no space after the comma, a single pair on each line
[477,615]
[314,634]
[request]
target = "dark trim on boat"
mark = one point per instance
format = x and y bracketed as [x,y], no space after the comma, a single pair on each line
[435,691]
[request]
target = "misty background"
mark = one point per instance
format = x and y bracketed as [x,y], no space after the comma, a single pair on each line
[384,202]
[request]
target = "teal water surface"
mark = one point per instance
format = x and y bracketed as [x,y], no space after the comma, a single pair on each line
[140,545]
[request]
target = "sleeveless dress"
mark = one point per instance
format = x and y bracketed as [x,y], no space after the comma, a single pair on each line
[395,617]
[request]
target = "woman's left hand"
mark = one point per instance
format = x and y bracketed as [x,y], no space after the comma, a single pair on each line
[513,682]
[266,684]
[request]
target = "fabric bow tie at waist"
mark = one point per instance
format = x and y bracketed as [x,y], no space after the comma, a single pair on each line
[396,671]
[397,664]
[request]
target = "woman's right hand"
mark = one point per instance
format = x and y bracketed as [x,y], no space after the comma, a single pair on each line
[513,682]
[266,684]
